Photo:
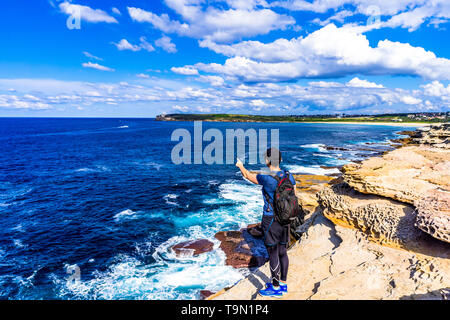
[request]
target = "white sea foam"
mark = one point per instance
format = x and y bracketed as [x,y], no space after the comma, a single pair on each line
[19,244]
[171,199]
[84,170]
[242,205]
[332,160]
[122,127]
[315,146]
[124,215]
[170,277]
[98,168]
[171,196]
[311,170]
[213,182]
[9,193]
[154,165]
[19,228]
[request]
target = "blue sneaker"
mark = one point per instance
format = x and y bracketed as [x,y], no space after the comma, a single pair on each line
[283,287]
[270,291]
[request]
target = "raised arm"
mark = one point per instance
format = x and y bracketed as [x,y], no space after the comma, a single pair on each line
[247,174]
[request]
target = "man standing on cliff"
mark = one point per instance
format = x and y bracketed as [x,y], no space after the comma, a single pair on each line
[276,236]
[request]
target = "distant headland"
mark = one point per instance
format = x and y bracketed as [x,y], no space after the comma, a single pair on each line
[400,118]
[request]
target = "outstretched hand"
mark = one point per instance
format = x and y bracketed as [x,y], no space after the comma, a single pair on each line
[247,175]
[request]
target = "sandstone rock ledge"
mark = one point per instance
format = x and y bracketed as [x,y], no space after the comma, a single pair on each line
[333,262]
[380,232]
[418,175]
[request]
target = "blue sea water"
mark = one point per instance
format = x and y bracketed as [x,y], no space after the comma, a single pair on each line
[102,195]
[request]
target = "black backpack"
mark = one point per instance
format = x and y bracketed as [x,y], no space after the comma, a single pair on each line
[285,203]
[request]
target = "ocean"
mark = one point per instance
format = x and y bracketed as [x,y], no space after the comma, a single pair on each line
[101,200]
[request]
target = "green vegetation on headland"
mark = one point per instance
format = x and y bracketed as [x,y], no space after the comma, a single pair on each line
[382,118]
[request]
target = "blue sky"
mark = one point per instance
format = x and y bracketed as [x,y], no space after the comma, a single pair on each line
[141,58]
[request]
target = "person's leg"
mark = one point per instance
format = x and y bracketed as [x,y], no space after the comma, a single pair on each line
[273,289]
[274,264]
[284,262]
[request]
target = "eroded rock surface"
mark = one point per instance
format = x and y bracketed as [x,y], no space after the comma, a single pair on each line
[383,220]
[306,188]
[433,214]
[435,135]
[404,174]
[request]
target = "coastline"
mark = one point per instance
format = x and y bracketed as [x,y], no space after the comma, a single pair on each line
[396,124]
[392,120]
[355,211]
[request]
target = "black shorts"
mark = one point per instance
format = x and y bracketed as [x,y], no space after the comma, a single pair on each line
[274,232]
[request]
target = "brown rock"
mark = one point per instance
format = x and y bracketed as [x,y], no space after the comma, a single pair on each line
[255,230]
[435,135]
[402,141]
[433,214]
[242,250]
[205,294]
[336,148]
[383,220]
[193,247]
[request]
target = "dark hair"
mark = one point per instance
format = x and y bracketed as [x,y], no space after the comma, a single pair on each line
[273,156]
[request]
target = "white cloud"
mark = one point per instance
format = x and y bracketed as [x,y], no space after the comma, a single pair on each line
[96,66]
[26,102]
[204,109]
[125,45]
[410,14]
[143,75]
[91,56]
[361,83]
[116,11]
[329,51]
[180,108]
[384,7]
[246,4]
[166,44]
[258,103]
[86,13]
[410,100]
[262,98]
[188,71]
[325,84]
[437,89]
[240,20]
[162,22]
[279,50]
[215,81]
[145,45]
[339,17]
